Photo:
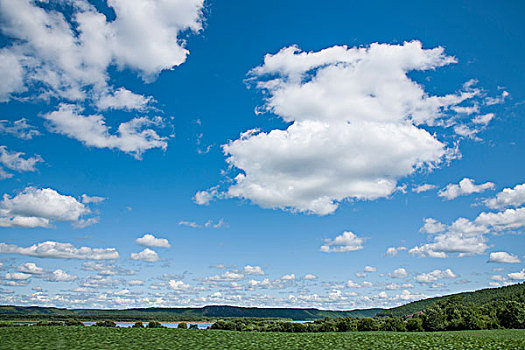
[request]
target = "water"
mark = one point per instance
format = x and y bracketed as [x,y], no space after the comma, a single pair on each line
[165,324]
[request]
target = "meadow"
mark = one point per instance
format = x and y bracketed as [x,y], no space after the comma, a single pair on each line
[49,337]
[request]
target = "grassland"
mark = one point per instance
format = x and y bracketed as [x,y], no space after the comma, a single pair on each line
[35,338]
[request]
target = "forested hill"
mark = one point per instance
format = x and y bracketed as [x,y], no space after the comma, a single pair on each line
[176,314]
[479,297]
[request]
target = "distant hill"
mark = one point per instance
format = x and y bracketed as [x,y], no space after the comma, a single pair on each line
[175,314]
[479,297]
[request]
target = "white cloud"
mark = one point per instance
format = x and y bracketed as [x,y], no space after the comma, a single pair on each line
[59,250]
[432,226]
[503,257]
[465,187]
[12,75]
[253,270]
[207,224]
[489,101]
[394,251]
[483,119]
[34,207]
[463,237]
[355,127]
[135,282]
[149,240]
[423,188]
[92,199]
[290,277]
[370,269]
[510,219]
[519,276]
[310,277]
[147,255]
[31,268]
[394,286]
[226,277]
[17,276]
[399,273]
[434,276]
[19,128]
[508,197]
[123,99]
[105,269]
[67,54]
[60,276]
[15,161]
[133,137]
[346,242]
[179,285]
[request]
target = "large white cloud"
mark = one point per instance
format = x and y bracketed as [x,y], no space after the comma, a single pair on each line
[503,257]
[133,137]
[463,237]
[59,250]
[35,207]
[69,47]
[508,197]
[356,126]
[465,187]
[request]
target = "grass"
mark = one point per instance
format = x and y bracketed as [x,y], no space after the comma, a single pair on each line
[35,338]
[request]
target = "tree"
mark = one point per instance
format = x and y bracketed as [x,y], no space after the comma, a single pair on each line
[138,325]
[415,324]
[182,325]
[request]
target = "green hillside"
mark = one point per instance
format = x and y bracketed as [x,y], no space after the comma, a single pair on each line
[479,297]
[211,312]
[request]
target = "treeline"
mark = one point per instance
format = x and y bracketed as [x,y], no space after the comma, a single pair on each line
[479,297]
[450,314]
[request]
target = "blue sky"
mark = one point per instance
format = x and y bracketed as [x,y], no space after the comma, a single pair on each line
[344,155]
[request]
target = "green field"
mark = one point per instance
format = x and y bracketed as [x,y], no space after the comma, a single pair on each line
[126,338]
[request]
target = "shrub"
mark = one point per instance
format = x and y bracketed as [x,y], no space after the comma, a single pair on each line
[105,323]
[138,325]
[194,326]
[182,325]
[73,322]
[155,324]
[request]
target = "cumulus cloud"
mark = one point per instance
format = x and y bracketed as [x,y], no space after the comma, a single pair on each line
[105,269]
[67,54]
[346,242]
[503,257]
[370,269]
[50,249]
[149,240]
[356,126]
[432,226]
[463,237]
[509,197]
[507,220]
[252,270]
[60,276]
[393,251]
[133,137]
[18,128]
[17,276]
[399,273]
[31,268]
[423,188]
[517,276]
[35,207]
[15,161]
[123,99]
[465,187]
[435,276]
[310,277]
[147,255]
